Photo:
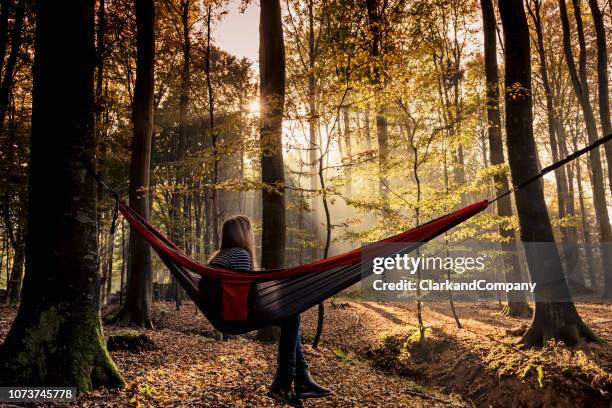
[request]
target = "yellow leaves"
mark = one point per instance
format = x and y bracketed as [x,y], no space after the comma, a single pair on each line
[516,91]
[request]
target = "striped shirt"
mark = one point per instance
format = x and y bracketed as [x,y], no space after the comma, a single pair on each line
[236,259]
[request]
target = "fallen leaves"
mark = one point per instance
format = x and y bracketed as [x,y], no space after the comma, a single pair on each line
[478,364]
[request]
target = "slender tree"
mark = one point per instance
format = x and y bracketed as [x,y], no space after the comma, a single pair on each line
[517,304]
[581,89]
[11,63]
[137,308]
[376,11]
[15,230]
[603,95]
[56,338]
[5,9]
[272,100]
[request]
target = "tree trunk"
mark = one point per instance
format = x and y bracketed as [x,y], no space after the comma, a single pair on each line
[213,134]
[109,270]
[555,314]
[328,232]
[313,120]
[101,50]
[568,233]
[378,81]
[585,228]
[56,338]
[137,309]
[123,263]
[349,149]
[13,294]
[517,303]
[5,9]
[602,80]
[581,89]
[272,100]
[9,72]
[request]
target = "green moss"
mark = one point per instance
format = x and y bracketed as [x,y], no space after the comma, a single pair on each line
[38,342]
[66,333]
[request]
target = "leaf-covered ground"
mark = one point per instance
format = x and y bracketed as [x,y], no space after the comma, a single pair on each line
[369,356]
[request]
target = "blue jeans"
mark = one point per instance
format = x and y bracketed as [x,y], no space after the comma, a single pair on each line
[290,355]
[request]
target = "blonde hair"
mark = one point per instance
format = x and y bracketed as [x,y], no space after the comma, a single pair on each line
[237,232]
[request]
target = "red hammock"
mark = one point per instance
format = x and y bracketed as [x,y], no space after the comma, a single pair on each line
[237,302]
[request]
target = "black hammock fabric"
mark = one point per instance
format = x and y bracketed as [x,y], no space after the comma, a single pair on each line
[239,302]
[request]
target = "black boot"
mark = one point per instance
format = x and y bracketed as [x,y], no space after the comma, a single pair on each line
[282,391]
[306,387]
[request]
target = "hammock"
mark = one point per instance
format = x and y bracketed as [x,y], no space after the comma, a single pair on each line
[239,302]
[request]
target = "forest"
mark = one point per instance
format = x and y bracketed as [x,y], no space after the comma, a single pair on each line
[143,142]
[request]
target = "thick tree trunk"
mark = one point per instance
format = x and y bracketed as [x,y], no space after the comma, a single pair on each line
[272,100]
[517,303]
[56,338]
[581,89]
[137,309]
[602,80]
[555,314]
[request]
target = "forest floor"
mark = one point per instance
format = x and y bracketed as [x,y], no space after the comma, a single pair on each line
[369,356]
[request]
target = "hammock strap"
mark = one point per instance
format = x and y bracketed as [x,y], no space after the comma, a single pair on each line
[96,177]
[555,166]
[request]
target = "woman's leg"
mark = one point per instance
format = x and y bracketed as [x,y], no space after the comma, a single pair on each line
[300,360]
[305,385]
[288,346]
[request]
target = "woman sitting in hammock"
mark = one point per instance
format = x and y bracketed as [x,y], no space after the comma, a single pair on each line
[237,253]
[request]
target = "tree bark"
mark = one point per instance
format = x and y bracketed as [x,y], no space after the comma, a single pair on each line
[137,308]
[328,232]
[581,89]
[555,315]
[213,134]
[585,228]
[272,100]
[602,80]
[313,122]
[349,150]
[11,62]
[5,9]
[56,338]
[13,294]
[564,207]
[517,304]
[377,80]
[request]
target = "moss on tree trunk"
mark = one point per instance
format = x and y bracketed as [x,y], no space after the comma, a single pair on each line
[64,346]
[559,321]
